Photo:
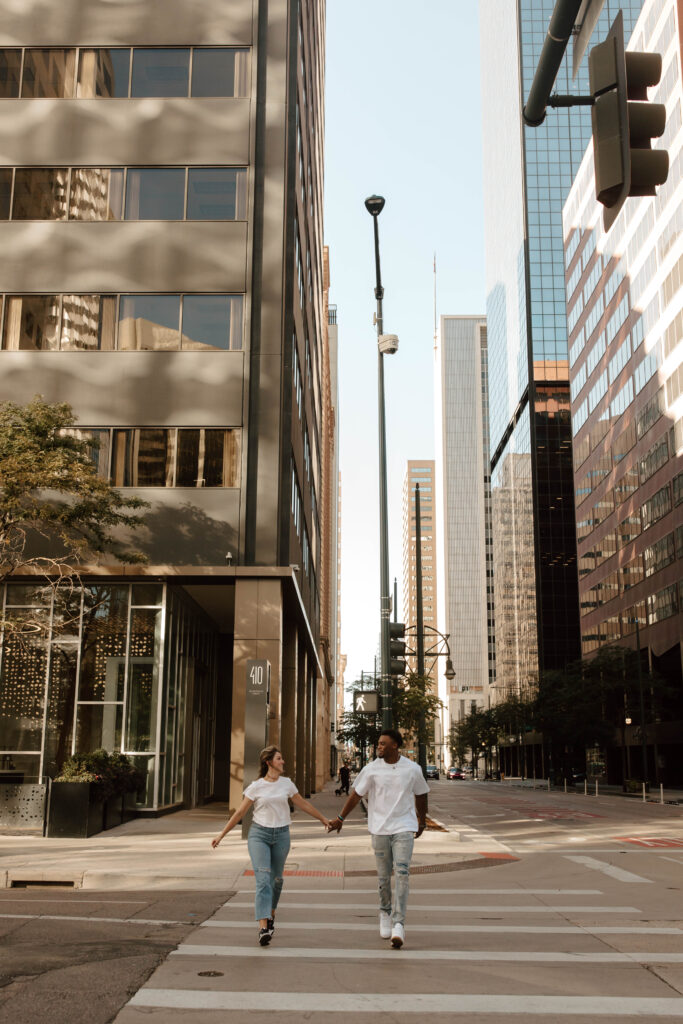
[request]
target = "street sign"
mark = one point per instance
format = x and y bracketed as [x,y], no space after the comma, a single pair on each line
[366,702]
[587,18]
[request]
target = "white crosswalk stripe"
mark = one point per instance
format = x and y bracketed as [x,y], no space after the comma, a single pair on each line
[488,956]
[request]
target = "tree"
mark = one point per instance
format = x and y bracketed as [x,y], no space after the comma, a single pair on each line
[414,706]
[56,513]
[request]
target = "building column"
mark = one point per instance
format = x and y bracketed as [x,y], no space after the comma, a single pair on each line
[258,634]
[288,700]
[302,671]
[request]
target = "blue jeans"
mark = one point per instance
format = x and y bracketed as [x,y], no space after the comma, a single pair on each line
[268,849]
[394,853]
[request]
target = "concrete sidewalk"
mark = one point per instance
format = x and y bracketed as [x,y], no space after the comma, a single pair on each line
[174,852]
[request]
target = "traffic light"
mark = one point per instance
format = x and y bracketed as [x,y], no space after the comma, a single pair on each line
[397,648]
[624,123]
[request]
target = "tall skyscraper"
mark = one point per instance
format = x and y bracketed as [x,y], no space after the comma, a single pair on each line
[419,472]
[625,307]
[162,271]
[464,546]
[527,175]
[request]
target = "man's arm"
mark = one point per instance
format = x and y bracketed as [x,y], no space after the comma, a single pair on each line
[421,808]
[352,801]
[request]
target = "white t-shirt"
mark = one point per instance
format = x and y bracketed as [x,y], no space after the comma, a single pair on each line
[391,790]
[271,807]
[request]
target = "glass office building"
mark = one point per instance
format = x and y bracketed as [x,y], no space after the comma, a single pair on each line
[527,175]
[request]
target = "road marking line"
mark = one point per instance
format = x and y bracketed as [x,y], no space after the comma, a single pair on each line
[463,909]
[609,869]
[458,928]
[445,892]
[376,1002]
[674,860]
[67,899]
[107,920]
[465,955]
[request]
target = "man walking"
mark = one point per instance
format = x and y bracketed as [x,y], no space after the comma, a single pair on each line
[344,778]
[396,796]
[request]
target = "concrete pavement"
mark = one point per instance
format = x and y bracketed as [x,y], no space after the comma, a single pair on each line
[174,852]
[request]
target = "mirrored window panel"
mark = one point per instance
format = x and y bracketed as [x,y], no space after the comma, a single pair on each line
[49,73]
[96,193]
[31,323]
[160,72]
[155,193]
[220,72]
[103,72]
[103,323]
[143,688]
[10,73]
[98,727]
[171,457]
[212,321]
[40,193]
[143,458]
[207,458]
[216,193]
[88,323]
[149,322]
[5,193]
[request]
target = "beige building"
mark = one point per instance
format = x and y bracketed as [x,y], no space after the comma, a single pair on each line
[422,473]
[162,271]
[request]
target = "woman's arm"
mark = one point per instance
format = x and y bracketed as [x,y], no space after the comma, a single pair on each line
[304,805]
[236,818]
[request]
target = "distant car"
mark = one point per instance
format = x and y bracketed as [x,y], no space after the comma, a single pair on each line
[432,771]
[455,773]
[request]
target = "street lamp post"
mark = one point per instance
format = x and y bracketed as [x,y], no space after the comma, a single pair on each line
[374,205]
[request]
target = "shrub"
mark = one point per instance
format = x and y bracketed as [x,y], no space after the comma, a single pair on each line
[114,774]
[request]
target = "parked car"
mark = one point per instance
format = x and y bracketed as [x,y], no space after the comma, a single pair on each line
[455,773]
[432,772]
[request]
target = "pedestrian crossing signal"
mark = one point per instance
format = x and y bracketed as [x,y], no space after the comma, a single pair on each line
[366,702]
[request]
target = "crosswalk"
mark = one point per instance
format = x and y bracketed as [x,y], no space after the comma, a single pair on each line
[593,956]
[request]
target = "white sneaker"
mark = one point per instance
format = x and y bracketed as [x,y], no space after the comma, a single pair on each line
[384,925]
[398,934]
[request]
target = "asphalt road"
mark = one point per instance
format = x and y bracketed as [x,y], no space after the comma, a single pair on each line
[75,957]
[583,921]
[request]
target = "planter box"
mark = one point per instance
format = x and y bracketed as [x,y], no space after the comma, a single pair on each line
[113,811]
[130,807]
[75,810]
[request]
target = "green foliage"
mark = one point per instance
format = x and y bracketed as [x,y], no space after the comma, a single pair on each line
[114,773]
[414,706]
[51,496]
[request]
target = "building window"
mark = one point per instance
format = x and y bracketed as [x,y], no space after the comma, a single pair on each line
[659,554]
[172,457]
[126,322]
[657,507]
[98,193]
[663,604]
[105,72]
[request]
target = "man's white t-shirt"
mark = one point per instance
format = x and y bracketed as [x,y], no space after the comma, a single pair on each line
[391,790]
[271,806]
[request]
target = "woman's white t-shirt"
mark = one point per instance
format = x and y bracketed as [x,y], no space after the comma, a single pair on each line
[271,807]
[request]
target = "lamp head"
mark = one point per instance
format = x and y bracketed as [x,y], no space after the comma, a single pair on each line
[450,671]
[374,205]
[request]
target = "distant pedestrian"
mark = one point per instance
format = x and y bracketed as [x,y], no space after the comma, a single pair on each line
[344,779]
[269,838]
[396,795]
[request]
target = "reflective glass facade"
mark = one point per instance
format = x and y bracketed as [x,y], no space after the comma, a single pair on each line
[527,176]
[113,666]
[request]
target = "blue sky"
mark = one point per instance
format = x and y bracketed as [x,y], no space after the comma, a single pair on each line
[402,120]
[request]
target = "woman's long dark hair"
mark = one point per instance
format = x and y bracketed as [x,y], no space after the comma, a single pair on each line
[265,757]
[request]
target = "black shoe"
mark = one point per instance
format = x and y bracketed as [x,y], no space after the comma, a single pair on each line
[264,936]
[271,925]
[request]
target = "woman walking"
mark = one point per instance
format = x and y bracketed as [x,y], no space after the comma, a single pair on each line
[269,839]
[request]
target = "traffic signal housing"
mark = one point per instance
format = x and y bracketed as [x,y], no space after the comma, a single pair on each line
[397,648]
[624,123]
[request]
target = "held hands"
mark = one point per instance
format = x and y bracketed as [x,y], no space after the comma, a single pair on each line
[334,825]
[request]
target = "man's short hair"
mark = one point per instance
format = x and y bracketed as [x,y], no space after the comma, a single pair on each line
[395,735]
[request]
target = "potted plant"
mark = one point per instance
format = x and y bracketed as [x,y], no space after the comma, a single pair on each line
[88,795]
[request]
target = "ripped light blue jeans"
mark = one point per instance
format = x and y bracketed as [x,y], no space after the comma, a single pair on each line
[268,849]
[393,854]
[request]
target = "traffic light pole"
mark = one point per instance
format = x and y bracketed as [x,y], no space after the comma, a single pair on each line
[420,644]
[385,598]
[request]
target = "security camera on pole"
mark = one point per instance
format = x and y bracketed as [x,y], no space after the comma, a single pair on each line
[386,344]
